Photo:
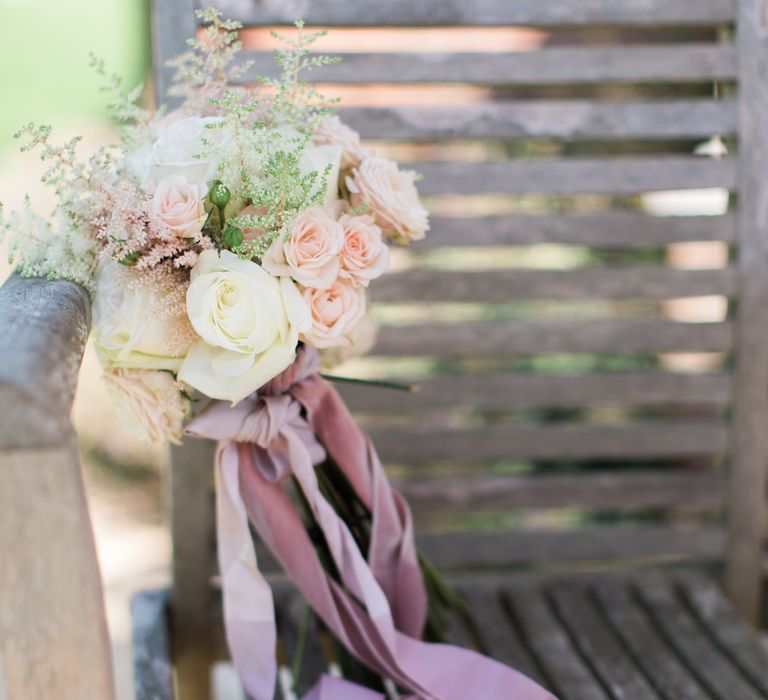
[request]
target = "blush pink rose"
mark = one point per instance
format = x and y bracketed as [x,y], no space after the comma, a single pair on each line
[331,131]
[364,256]
[336,312]
[178,204]
[391,194]
[310,254]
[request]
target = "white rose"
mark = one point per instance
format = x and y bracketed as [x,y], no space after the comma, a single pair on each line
[175,151]
[150,404]
[248,322]
[127,330]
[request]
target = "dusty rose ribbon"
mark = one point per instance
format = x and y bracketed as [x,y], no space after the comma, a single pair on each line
[379,612]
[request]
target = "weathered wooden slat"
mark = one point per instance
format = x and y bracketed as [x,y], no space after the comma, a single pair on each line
[647,439]
[730,633]
[505,338]
[662,667]
[194,552]
[515,390]
[498,637]
[615,229]
[580,65]
[403,13]
[593,638]
[645,489]
[565,670]
[467,550]
[172,23]
[747,486]
[152,666]
[635,282]
[620,175]
[567,119]
[715,671]
[44,327]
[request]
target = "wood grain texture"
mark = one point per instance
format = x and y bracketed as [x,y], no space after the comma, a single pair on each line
[468,550]
[505,338]
[619,175]
[516,390]
[647,439]
[747,486]
[566,119]
[552,66]
[43,329]
[152,665]
[629,282]
[610,229]
[404,13]
[172,23]
[643,489]
[53,632]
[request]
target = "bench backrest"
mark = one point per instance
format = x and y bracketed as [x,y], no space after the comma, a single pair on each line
[588,349]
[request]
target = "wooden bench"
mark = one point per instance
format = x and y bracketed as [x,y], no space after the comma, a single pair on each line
[588,514]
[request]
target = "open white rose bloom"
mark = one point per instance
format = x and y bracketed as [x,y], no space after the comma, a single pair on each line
[226,233]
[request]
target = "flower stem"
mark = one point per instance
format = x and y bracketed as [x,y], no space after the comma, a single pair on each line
[397,386]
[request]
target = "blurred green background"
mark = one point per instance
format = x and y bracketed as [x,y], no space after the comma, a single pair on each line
[44,47]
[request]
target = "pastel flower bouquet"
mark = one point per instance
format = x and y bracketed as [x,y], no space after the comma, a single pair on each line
[229,246]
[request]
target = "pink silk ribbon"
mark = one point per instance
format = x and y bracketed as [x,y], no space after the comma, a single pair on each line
[378,612]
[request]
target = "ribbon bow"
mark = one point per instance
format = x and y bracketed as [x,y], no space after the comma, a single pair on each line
[379,610]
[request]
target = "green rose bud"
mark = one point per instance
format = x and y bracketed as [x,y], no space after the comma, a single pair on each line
[232,236]
[218,193]
[130,259]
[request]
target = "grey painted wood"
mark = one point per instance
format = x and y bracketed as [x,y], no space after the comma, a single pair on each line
[193,563]
[497,635]
[747,486]
[516,390]
[152,666]
[612,229]
[729,632]
[173,23]
[593,638]
[43,329]
[405,13]
[53,632]
[696,648]
[670,676]
[594,64]
[567,119]
[635,282]
[564,668]
[643,489]
[468,550]
[505,338]
[620,175]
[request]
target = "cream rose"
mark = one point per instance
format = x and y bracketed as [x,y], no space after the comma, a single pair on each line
[336,311]
[310,254]
[248,322]
[364,255]
[361,341]
[177,149]
[331,131]
[127,329]
[391,194]
[178,203]
[150,403]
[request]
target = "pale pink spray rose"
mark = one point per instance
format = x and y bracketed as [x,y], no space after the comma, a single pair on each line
[391,194]
[331,131]
[361,342]
[310,254]
[150,403]
[335,312]
[364,255]
[178,203]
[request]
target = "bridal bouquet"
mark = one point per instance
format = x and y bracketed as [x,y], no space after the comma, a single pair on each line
[229,246]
